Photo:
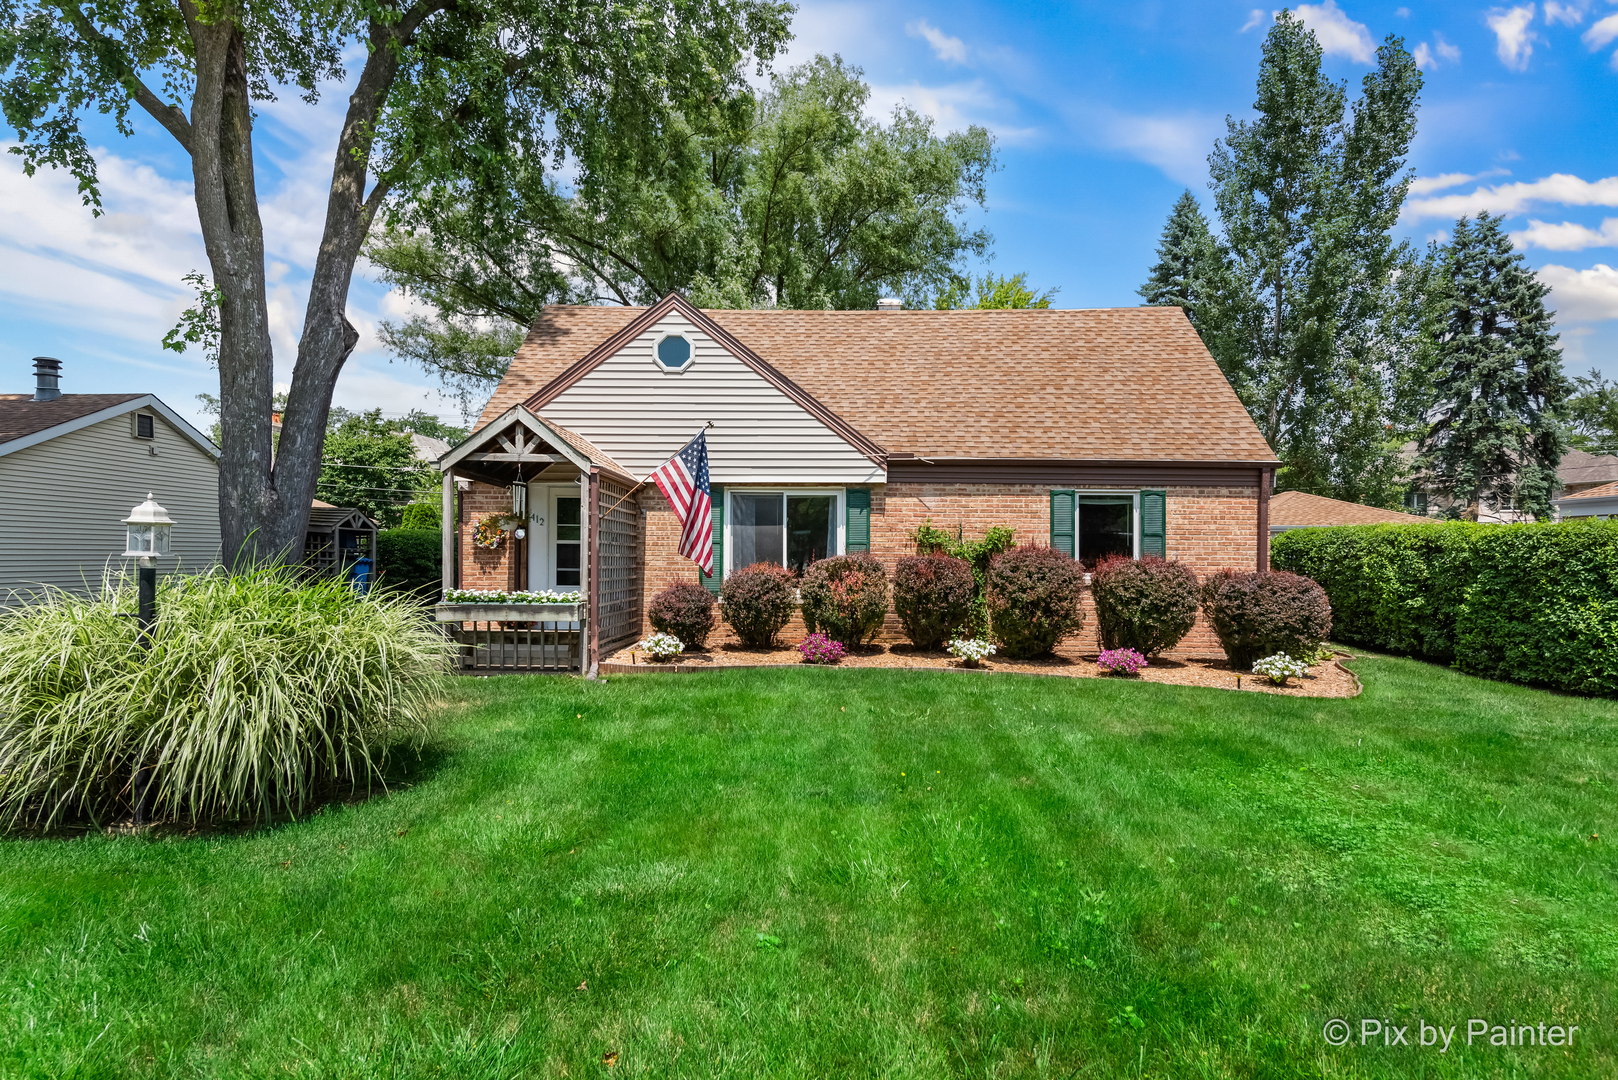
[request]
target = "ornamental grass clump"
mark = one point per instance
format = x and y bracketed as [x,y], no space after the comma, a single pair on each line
[932,595]
[1034,596]
[259,692]
[686,610]
[819,649]
[1121,661]
[757,601]
[1147,605]
[1260,614]
[661,647]
[846,597]
[1279,668]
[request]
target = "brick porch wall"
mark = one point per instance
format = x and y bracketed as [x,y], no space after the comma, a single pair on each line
[1210,528]
[480,567]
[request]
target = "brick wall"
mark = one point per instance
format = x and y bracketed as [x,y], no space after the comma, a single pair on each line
[480,567]
[1211,528]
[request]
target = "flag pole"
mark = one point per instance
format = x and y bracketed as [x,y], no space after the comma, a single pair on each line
[706,427]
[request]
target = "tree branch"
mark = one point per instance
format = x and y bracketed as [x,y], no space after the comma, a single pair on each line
[111,54]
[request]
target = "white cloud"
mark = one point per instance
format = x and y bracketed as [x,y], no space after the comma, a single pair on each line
[1446,51]
[1422,185]
[952,107]
[1566,235]
[1176,144]
[1514,198]
[1514,41]
[1254,18]
[1424,56]
[1403,13]
[1602,33]
[1582,295]
[945,47]
[1566,14]
[1337,33]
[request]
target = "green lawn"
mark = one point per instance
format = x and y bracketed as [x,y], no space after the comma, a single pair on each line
[867,873]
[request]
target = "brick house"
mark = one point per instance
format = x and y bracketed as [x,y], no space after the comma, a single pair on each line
[1094,431]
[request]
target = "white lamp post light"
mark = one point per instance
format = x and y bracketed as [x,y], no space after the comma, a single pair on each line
[147,538]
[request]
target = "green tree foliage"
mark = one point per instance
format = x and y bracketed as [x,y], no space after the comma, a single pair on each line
[1305,300]
[993,293]
[1592,415]
[1495,430]
[789,197]
[445,98]
[370,464]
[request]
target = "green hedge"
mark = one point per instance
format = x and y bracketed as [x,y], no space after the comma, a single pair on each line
[411,559]
[1530,603]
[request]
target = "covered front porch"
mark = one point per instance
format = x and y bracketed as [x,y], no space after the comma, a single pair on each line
[541,548]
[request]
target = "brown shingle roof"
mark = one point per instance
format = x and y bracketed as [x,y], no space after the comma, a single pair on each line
[21,415]
[1297,509]
[1109,384]
[1605,491]
[1579,469]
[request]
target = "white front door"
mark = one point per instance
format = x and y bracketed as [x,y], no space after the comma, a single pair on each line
[555,537]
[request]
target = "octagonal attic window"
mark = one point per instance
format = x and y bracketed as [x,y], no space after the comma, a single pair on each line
[673,352]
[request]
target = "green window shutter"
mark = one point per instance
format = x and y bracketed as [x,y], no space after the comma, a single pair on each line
[857,531]
[1154,523]
[711,582]
[1062,521]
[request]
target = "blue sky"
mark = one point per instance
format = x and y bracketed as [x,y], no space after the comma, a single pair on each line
[1104,114]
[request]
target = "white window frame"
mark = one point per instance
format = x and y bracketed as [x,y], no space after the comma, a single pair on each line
[840,511]
[1134,514]
[690,342]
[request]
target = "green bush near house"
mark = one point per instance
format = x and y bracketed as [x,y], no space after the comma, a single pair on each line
[1261,614]
[411,559]
[422,515]
[258,693]
[1533,603]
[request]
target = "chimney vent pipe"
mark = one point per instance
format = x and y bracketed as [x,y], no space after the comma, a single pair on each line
[890,303]
[47,374]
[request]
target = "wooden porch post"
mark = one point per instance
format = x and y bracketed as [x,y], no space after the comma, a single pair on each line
[592,571]
[449,528]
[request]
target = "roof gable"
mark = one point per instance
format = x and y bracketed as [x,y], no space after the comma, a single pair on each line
[1130,384]
[25,422]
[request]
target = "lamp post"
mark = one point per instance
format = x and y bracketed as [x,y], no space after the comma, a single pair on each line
[147,538]
[148,528]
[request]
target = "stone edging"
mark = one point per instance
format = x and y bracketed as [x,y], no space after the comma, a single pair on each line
[614,668]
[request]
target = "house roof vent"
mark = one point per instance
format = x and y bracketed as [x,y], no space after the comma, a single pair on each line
[890,303]
[47,373]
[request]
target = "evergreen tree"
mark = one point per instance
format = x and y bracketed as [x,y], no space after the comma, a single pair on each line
[1305,314]
[1495,432]
[1182,254]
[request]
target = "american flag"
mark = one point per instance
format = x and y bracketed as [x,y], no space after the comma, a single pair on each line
[683,480]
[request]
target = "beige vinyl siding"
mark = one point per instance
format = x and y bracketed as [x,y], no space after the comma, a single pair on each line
[64,500]
[640,414]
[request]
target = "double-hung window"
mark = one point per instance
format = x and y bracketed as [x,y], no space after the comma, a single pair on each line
[788,528]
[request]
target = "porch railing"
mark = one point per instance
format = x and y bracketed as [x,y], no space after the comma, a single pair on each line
[516,637]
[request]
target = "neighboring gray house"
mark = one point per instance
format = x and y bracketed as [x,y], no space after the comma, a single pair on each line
[72,466]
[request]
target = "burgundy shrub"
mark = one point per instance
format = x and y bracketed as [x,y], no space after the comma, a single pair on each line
[845,597]
[685,610]
[757,601]
[932,595]
[1143,604]
[1034,598]
[1261,614]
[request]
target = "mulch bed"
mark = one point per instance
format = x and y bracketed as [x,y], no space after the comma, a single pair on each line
[1328,679]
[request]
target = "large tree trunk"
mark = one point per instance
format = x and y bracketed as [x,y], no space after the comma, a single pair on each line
[265,492]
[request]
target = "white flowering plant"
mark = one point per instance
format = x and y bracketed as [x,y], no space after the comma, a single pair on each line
[502,596]
[662,647]
[970,651]
[1280,667]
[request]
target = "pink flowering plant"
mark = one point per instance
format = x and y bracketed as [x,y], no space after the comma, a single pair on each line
[1121,661]
[817,648]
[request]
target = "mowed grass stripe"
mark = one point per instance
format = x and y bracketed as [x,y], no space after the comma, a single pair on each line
[1088,878]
